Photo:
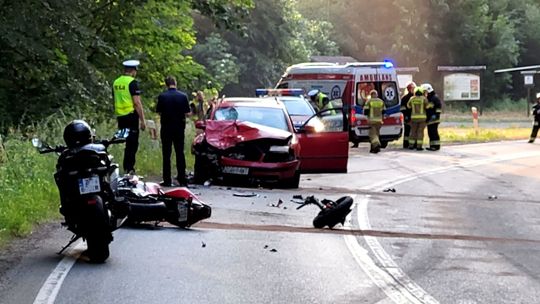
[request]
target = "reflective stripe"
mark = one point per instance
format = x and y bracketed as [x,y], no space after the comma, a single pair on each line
[417,105]
[123,103]
[375,107]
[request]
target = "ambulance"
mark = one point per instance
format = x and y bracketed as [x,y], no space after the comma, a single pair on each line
[348,86]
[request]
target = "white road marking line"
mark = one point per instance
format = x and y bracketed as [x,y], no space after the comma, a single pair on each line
[392,280]
[49,290]
[388,284]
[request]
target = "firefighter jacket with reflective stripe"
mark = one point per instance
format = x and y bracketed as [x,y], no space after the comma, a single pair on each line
[123,103]
[435,109]
[536,112]
[418,106]
[374,109]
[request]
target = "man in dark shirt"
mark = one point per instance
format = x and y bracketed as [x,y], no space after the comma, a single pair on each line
[173,107]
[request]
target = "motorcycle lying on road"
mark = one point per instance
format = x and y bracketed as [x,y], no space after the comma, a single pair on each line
[95,200]
[149,202]
[332,212]
[85,175]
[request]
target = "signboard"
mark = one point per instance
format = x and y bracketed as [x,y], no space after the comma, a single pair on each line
[461,86]
[403,79]
[528,80]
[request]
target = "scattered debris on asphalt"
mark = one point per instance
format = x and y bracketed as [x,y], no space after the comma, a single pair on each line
[265,246]
[273,250]
[389,190]
[248,194]
[203,244]
[298,196]
[492,197]
[284,207]
[278,205]
[229,188]
[208,183]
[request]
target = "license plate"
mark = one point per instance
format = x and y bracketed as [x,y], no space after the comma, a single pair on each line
[361,132]
[89,185]
[236,170]
[182,212]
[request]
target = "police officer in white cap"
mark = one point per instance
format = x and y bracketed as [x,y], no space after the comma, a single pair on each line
[536,116]
[129,111]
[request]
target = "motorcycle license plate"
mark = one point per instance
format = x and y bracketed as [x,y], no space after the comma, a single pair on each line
[235,170]
[182,212]
[89,185]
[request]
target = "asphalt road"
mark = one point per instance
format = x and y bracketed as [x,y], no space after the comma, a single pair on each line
[461,227]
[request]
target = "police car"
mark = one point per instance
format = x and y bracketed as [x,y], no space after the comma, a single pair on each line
[298,107]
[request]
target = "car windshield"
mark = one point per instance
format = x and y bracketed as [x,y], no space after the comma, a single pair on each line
[270,117]
[298,106]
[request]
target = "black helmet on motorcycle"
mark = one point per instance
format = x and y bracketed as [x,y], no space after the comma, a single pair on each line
[77,134]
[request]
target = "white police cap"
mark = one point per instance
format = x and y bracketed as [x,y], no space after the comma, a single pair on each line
[131,63]
[313,92]
[537,95]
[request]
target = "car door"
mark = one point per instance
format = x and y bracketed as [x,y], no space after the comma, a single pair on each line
[324,142]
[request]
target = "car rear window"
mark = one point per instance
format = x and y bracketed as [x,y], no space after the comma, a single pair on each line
[270,117]
[298,106]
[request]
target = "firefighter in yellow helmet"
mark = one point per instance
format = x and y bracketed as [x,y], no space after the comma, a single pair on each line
[409,92]
[374,109]
[418,105]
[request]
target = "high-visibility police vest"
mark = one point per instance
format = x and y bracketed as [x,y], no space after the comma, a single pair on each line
[123,103]
[375,107]
[320,98]
[417,104]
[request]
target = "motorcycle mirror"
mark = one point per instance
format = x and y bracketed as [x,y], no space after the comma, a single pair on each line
[121,134]
[36,142]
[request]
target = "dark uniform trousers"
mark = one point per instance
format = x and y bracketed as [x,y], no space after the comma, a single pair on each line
[170,138]
[433,134]
[536,126]
[406,133]
[131,122]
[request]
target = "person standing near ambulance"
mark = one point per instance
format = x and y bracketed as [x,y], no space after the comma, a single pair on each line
[418,105]
[409,92]
[129,111]
[433,117]
[374,110]
[536,116]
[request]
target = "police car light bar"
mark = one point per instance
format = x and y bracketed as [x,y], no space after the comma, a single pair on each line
[279,92]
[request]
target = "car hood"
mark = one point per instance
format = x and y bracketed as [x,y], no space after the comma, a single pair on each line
[224,134]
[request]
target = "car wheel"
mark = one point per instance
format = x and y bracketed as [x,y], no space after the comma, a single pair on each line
[292,183]
[384,144]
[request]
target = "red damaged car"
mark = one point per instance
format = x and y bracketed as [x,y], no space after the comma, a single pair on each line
[254,139]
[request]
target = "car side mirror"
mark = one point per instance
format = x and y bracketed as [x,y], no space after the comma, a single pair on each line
[199,124]
[309,129]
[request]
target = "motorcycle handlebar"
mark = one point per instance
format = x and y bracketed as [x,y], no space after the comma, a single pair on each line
[310,200]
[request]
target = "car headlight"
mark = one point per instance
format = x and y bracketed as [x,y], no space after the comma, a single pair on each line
[279,149]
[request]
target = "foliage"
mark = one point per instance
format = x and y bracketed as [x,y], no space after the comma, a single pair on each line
[276,35]
[498,33]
